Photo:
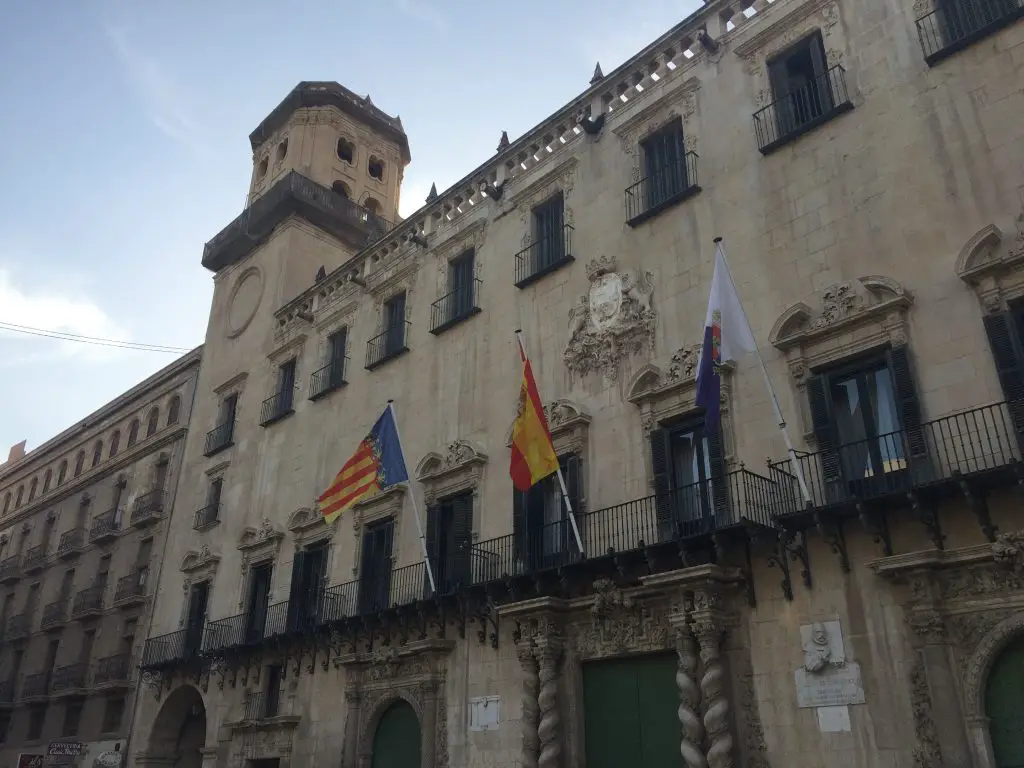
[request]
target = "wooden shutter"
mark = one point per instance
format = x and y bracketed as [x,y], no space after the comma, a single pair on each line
[1006,353]
[462,539]
[824,429]
[907,403]
[660,453]
[719,482]
[784,119]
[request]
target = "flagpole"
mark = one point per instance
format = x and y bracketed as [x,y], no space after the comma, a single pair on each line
[415,506]
[561,478]
[779,419]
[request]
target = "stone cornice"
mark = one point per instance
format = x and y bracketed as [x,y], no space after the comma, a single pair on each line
[899,566]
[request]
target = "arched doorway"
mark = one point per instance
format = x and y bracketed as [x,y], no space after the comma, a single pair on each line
[396,742]
[1004,705]
[179,730]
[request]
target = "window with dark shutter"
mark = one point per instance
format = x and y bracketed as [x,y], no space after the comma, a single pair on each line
[1004,331]
[800,86]
[662,484]
[375,567]
[394,324]
[664,164]
[548,220]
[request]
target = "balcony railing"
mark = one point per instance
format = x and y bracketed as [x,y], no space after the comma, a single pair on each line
[455,306]
[955,25]
[276,407]
[182,645]
[327,379]
[666,186]
[975,442]
[35,558]
[387,345]
[219,438]
[88,601]
[795,113]
[71,542]
[36,685]
[255,705]
[131,588]
[107,525]
[71,677]
[207,516]
[113,669]
[149,507]
[55,613]
[19,625]
[7,691]
[10,568]
[544,255]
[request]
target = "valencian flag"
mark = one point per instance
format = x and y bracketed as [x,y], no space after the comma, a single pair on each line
[727,335]
[378,463]
[533,453]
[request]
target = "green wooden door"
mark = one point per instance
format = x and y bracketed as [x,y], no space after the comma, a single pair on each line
[396,744]
[1004,705]
[630,713]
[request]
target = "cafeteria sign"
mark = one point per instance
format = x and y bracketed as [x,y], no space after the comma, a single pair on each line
[65,748]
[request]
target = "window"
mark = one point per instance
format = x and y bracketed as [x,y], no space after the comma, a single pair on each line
[62,472]
[461,283]
[279,404]
[228,408]
[375,167]
[341,188]
[115,443]
[282,151]
[541,531]
[449,538]
[32,488]
[394,324]
[273,690]
[67,583]
[79,463]
[152,422]
[372,206]
[5,725]
[72,717]
[47,479]
[688,466]
[664,167]
[173,411]
[375,566]
[309,572]
[36,719]
[549,242]
[19,497]
[198,599]
[133,433]
[97,452]
[346,150]
[332,375]
[260,578]
[113,713]
[102,571]
[955,24]
[145,552]
[211,512]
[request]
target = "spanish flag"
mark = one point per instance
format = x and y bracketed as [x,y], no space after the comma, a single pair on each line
[533,453]
[378,463]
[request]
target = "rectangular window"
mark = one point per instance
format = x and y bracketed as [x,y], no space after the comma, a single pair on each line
[228,409]
[32,599]
[542,532]
[36,720]
[394,324]
[103,571]
[72,718]
[67,584]
[198,598]
[957,23]
[665,165]
[272,693]
[286,383]
[309,577]
[449,538]
[375,566]
[145,552]
[461,283]
[5,725]
[113,714]
[213,495]
[336,346]
[128,636]
[800,85]
[548,235]
[51,655]
[260,579]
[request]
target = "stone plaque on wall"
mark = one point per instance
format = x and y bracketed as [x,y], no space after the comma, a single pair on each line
[831,687]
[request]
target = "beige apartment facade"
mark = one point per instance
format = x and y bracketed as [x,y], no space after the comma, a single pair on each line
[864,163]
[81,540]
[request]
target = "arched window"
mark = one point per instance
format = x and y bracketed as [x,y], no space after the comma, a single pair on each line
[346,150]
[282,150]
[372,206]
[46,480]
[375,167]
[261,169]
[133,433]
[62,473]
[7,502]
[341,188]
[97,453]
[79,463]
[173,409]
[115,443]
[18,498]
[152,422]
[33,487]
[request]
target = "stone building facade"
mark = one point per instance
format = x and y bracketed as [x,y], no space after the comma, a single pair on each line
[864,162]
[81,541]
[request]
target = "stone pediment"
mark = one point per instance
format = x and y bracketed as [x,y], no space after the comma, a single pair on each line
[993,266]
[568,423]
[194,561]
[651,381]
[253,538]
[458,456]
[304,520]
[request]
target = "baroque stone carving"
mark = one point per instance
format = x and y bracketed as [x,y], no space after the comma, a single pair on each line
[1008,551]
[927,754]
[713,695]
[753,730]
[549,652]
[819,655]
[458,468]
[689,700]
[619,625]
[614,319]
[526,653]
[978,580]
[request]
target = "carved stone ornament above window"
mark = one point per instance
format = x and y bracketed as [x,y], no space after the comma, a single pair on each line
[561,178]
[458,469]
[569,426]
[994,266]
[262,543]
[199,566]
[678,103]
[307,525]
[472,235]
[387,503]
[613,320]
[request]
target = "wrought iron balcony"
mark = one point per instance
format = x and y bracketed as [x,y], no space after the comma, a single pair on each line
[173,648]
[88,602]
[131,589]
[803,109]
[19,625]
[340,602]
[277,406]
[666,186]
[149,507]
[55,614]
[70,678]
[111,671]
[71,543]
[543,256]
[953,26]
[107,525]
[35,558]
[387,345]
[36,686]
[327,379]
[206,517]
[219,438]
[7,692]
[256,705]
[455,306]
[10,569]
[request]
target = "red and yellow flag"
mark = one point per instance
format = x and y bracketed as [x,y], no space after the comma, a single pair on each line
[533,453]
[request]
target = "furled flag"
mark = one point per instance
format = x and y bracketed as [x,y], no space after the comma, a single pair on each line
[378,463]
[727,335]
[533,453]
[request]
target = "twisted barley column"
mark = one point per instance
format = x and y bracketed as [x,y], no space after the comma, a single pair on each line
[531,741]
[548,731]
[716,704]
[689,701]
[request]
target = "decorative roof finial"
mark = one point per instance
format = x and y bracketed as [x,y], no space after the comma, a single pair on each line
[504,143]
[598,75]
[432,195]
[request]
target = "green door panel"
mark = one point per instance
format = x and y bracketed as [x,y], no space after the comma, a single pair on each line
[396,743]
[659,708]
[1004,705]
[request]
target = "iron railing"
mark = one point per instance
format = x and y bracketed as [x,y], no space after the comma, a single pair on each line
[10,568]
[340,602]
[219,438]
[793,114]
[149,506]
[70,677]
[88,600]
[106,525]
[953,26]
[666,186]
[7,691]
[256,705]
[35,557]
[71,542]
[277,406]
[207,516]
[36,685]
[132,586]
[543,255]
[455,306]
[19,625]
[54,613]
[113,669]
[328,378]
[182,645]
[969,443]
[388,344]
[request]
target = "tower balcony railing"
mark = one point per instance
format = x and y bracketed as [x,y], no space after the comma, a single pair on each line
[10,569]
[71,542]
[107,525]
[387,345]
[329,378]
[802,109]
[149,507]
[35,558]
[543,256]
[665,186]
[219,438]
[277,406]
[953,26]
[455,306]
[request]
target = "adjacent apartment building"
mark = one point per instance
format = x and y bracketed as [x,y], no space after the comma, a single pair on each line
[864,161]
[81,537]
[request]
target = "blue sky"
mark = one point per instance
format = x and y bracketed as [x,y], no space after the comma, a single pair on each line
[123,147]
